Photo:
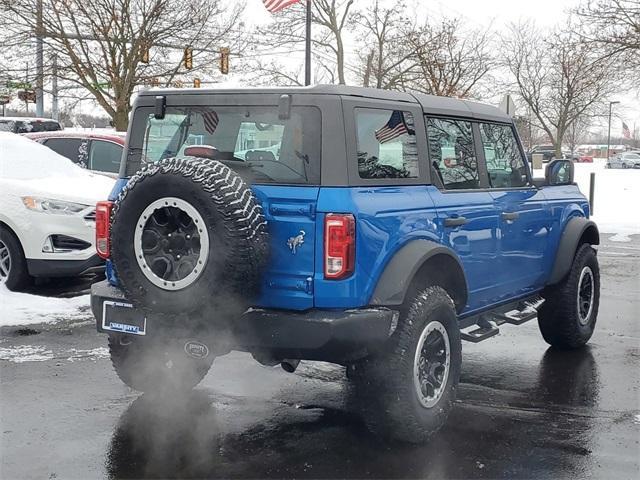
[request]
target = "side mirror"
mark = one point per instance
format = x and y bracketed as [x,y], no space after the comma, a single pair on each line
[559,172]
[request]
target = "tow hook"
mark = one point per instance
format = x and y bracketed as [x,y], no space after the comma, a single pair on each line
[289,364]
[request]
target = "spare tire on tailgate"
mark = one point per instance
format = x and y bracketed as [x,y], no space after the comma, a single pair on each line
[186,234]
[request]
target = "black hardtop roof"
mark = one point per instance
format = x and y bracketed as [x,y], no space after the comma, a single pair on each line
[444,106]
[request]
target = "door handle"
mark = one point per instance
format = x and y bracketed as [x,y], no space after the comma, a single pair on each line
[509,216]
[454,221]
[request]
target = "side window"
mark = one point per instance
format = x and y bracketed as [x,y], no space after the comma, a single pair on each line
[67,147]
[452,154]
[386,144]
[505,164]
[105,156]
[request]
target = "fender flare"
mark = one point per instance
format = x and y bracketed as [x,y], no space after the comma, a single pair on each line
[575,230]
[407,262]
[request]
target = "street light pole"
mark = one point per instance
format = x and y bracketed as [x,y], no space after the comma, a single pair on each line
[609,131]
[39,63]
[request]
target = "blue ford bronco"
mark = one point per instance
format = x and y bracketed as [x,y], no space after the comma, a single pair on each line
[368,228]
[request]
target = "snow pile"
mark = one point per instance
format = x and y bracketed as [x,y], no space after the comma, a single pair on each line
[38,353]
[617,197]
[26,353]
[28,167]
[22,159]
[25,309]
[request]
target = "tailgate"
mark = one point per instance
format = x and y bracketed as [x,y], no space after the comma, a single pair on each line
[288,278]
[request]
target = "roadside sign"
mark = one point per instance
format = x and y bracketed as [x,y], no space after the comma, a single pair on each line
[18,85]
[4,99]
[508,106]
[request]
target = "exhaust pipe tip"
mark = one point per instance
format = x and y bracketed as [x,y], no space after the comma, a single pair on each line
[290,365]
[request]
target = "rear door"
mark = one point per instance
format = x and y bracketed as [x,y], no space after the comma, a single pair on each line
[279,155]
[525,219]
[467,217]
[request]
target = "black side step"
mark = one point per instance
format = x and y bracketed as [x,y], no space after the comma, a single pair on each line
[488,323]
[479,334]
[516,318]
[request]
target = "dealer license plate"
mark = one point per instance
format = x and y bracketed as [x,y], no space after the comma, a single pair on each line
[122,317]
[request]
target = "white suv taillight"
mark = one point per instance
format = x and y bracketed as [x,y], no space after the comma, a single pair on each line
[339,245]
[103,217]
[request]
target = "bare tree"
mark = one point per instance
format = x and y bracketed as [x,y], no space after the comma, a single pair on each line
[558,78]
[384,56]
[578,131]
[102,44]
[330,19]
[614,27]
[447,59]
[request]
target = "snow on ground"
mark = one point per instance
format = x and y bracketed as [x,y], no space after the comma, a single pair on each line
[26,309]
[38,353]
[616,206]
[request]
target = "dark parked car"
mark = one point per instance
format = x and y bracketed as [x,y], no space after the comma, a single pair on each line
[548,152]
[98,152]
[28,125]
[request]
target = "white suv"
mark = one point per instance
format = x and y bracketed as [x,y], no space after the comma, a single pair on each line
[47,213]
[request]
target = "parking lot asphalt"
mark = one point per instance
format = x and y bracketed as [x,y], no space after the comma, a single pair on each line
[524,410]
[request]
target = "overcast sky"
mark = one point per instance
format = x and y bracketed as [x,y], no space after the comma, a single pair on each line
[494,14]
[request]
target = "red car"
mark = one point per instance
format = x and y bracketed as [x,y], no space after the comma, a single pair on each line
[582,158]
[94,151]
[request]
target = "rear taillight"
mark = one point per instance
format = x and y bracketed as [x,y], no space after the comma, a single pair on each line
[103,217]
[339,245]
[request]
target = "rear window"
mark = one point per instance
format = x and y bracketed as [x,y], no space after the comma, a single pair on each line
[250,139]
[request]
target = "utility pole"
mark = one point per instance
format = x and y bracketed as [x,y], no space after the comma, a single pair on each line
[307,47]
[54,87]
[611,104]
[39,62]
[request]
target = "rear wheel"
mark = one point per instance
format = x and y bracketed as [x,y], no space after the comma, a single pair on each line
[407,392]
[568,316]
[160,365]
[13,265]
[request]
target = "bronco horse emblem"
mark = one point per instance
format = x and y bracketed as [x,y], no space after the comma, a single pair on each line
[295,242]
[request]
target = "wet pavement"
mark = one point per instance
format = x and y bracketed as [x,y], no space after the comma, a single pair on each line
[523,411]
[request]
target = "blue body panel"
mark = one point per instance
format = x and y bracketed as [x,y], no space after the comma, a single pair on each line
[503,259]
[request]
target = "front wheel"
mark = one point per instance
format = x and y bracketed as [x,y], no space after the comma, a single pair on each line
[407,392]
[158,366]
[13,265]
[568,316]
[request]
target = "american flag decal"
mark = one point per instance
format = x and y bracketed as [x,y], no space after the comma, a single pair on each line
[276,5]
[210,120]
[395,127]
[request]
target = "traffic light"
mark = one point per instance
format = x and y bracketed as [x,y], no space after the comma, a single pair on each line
[224,60]
[144,52]
[196,83]
[188,58]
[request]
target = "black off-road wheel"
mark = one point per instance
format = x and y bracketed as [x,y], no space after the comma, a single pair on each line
[568,316]
[157,366]
[407,392]
[188,234]
[13,265]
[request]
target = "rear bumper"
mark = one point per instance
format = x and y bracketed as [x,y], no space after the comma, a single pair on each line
[64,268]
[329,335]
